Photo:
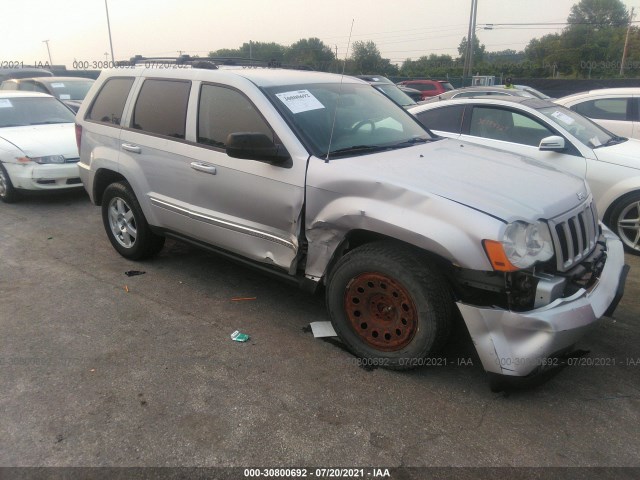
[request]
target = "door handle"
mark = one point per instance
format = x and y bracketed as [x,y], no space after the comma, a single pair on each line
[204,167]
[131,148]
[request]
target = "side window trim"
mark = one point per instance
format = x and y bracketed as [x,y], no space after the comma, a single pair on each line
[633,111]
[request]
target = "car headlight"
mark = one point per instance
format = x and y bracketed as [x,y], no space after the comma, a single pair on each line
[48,159]
[523,245]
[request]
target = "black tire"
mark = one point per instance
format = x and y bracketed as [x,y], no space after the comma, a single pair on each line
[389,305]
[627,211]
[8,193]
[126,225]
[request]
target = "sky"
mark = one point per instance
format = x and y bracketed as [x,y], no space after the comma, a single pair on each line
[76,30]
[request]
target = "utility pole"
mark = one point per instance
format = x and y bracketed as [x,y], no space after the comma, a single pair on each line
[48,51]
[467,70]
[113,59]
[626,43]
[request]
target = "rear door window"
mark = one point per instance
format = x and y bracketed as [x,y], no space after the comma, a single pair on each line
[110,100]
[161,107]
[446,119]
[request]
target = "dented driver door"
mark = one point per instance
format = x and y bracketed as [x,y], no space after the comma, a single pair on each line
[247,207]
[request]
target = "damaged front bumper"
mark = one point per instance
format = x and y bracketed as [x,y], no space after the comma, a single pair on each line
[519,344]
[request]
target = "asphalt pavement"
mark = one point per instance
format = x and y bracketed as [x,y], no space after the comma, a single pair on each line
[98,368]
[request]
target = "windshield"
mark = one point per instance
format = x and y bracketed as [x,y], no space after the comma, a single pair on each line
[447,86]
[344,120]
[21,111]
[395,94]
[590,134]
[71,89]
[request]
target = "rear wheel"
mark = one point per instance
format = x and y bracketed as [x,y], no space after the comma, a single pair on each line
[8,193]
[625,221]
[389,305]
[126,225]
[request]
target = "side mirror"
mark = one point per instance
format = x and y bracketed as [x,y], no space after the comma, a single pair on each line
[554,143]
[257,146]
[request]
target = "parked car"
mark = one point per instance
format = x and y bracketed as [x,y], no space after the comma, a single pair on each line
[390,89]
[412,93]
[23,72]
[428,88]
[319,179]
[38,150]
[70,90]
[480,92]
[561,138]
[533,92]
[616,109]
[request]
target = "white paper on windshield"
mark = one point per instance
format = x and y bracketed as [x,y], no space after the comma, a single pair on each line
[563,117]
[299,101]
[5,103]
[65,96]
[57,85]
[595,141]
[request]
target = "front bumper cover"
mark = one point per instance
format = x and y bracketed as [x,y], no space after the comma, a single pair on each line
[519,343]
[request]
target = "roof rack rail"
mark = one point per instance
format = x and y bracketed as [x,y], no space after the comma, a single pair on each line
[195,62]
[252,62]
[212,63]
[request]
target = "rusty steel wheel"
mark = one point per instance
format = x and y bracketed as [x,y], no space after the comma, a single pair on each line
[389,304]
[381,311]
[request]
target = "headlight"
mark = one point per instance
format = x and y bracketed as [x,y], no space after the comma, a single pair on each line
[525,243]
[48,159]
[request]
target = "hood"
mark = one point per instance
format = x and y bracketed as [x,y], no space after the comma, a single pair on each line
[41,140]
[626,153]
[498,183]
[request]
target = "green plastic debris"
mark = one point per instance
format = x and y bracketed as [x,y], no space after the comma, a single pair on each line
[239,337]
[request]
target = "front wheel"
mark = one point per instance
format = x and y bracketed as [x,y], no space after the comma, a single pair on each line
[389,305]
[625,222]
[126,226]
[8,193]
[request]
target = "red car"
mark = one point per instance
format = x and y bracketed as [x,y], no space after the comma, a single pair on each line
[428,88]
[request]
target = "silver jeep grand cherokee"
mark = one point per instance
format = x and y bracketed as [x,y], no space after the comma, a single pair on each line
[324,180]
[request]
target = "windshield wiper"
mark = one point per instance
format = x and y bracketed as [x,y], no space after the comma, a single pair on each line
[414,141]
[49,122]
[612,141]
[358,149]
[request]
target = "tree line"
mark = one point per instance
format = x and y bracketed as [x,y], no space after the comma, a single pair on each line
[591,45]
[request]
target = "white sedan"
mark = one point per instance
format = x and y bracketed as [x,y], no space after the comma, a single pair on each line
[38,148]
[559,137]
[615,109]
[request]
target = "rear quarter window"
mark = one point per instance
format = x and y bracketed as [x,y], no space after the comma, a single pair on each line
[110,100]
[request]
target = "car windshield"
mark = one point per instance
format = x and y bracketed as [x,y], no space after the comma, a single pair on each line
[21,111]
[590,134]
[336,120]
[70,89]
[447,86]
[395,94]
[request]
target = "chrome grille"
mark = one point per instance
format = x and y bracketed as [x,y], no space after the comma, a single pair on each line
[574,235]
